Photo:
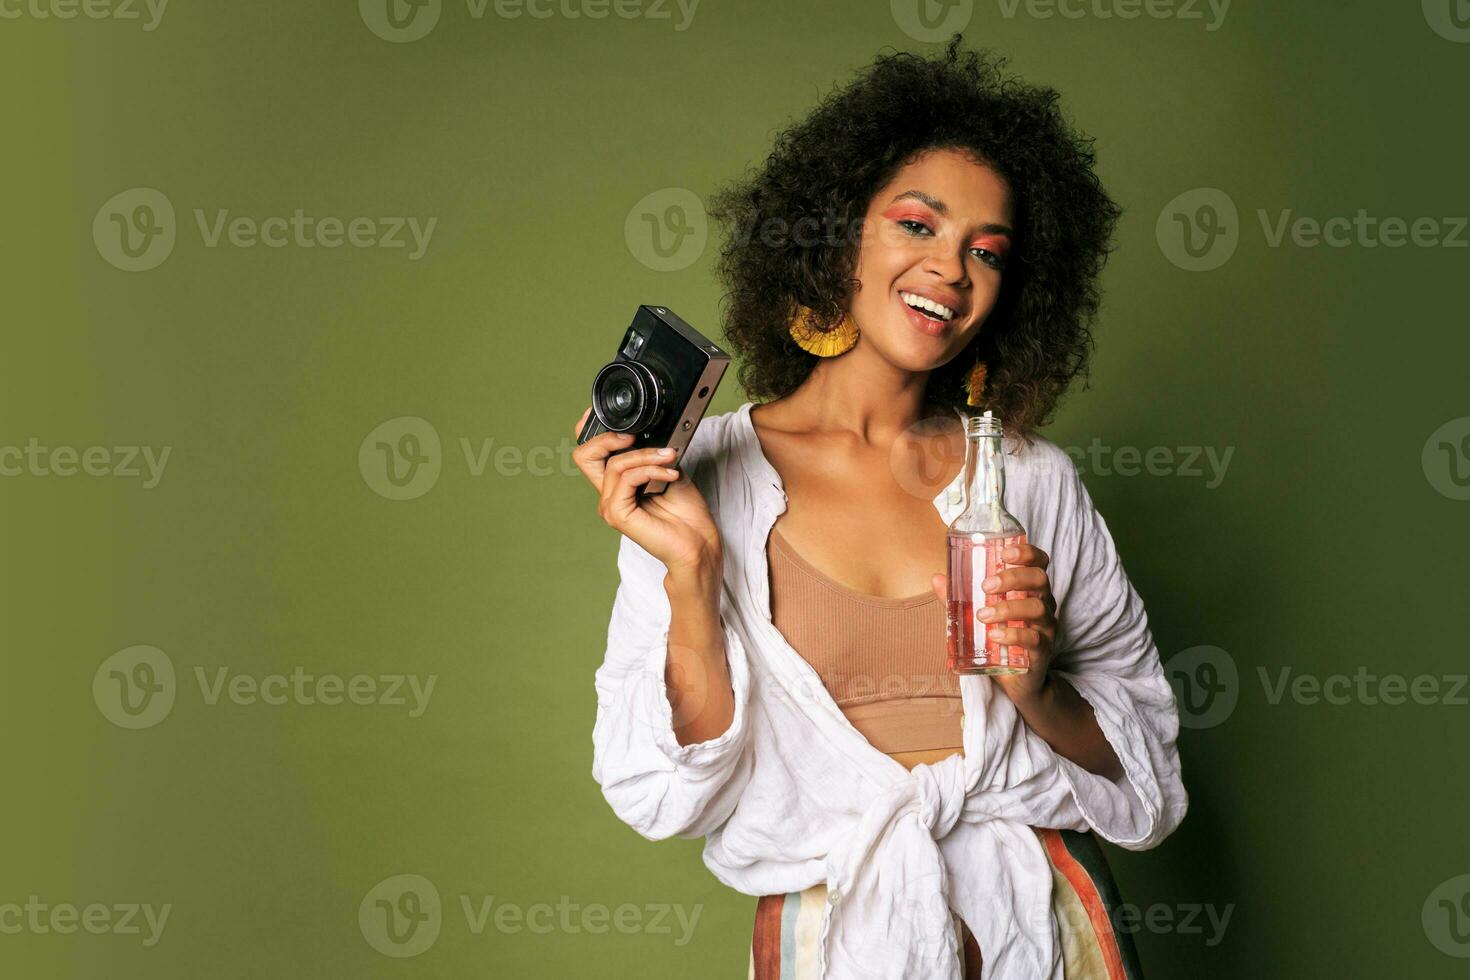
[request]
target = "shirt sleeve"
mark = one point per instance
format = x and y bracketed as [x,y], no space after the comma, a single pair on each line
[1105,650]
[654,784]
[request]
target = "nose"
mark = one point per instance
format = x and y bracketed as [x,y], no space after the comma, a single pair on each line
[947,263]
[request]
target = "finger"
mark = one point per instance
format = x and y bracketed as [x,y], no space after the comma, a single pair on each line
[607,453]
[593,456]
[1008,610]
[620,503]
[1020,579]
[577,429]
[1025,554]
[940,584]
[640,457]
[1017,636]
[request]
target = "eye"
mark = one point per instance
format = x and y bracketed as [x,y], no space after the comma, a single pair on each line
[916,227]
[989,258]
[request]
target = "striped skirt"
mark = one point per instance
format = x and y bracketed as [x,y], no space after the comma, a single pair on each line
[1085,901]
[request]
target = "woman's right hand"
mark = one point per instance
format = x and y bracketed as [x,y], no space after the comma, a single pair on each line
[674,526]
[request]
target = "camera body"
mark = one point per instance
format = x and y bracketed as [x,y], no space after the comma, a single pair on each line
[657,387]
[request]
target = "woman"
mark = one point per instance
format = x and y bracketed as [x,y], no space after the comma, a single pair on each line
[775,674]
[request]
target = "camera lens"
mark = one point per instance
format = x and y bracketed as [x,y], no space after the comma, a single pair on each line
[626,397]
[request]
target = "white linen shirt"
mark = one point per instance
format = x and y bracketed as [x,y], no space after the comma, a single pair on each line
[792,794]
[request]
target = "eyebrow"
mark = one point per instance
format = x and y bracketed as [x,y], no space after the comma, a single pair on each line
[943,209]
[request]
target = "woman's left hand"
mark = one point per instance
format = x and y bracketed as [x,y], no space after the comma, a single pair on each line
[1036,609]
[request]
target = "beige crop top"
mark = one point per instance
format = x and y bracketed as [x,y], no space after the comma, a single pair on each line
[882,659]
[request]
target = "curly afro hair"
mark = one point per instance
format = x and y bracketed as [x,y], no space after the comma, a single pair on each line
[825,169]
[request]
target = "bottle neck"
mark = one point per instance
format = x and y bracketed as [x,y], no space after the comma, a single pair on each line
[985,476]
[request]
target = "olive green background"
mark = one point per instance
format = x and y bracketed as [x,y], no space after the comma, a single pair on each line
[1327,547]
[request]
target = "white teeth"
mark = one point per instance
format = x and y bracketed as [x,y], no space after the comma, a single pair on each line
[920,302]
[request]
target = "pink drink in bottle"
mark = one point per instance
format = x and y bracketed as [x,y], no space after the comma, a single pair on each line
[976,539]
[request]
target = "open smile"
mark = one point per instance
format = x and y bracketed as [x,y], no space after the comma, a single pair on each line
[927,315]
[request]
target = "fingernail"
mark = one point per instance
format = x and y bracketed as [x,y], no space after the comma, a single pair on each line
[986,612]
[997,633]
[990,584]
[666,452]
[1010,553]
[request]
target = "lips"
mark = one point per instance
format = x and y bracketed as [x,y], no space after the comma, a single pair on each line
[933,328]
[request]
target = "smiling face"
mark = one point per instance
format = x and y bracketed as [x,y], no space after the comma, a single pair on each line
[935,241]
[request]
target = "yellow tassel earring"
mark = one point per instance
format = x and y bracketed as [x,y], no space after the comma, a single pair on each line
[823,343]
[975,384]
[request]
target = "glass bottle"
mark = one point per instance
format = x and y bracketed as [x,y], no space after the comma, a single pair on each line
[976,539]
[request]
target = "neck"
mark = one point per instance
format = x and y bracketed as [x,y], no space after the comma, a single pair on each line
[860,394]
